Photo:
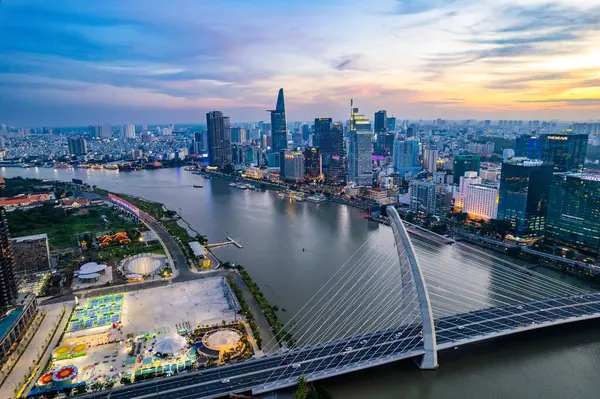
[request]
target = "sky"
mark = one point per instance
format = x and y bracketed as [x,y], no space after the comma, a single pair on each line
[77,62]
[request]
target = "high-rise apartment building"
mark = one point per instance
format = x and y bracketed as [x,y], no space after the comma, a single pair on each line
[523,195]
[566,152]
[430,157]
[574,211]
[218,133]
[8,283]
[128,131]
[470,178]
[360,169]
[278,125]
[465,163]
[429,198]
[77,146]
[106,131]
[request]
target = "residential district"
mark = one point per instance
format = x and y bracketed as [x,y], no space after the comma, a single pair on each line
[101,289]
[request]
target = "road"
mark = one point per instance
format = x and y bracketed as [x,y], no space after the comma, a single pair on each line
[359,352]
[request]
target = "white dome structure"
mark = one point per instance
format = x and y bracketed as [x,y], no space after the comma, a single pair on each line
[172,345]
[92,267]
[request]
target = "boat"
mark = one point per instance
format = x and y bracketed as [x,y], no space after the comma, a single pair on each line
[232,185]
[197,186]
[111,166]
[316,199]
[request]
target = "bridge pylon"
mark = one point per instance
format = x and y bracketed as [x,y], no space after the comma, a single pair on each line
[411,269]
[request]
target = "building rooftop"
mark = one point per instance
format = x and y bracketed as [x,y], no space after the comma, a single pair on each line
[197,248]
[31,237]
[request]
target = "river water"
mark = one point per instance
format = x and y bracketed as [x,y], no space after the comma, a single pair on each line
[291,248]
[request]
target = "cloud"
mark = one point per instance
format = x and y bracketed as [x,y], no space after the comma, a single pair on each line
[568,101]
[352,62]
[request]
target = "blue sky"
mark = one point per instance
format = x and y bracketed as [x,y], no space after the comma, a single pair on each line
[77,62]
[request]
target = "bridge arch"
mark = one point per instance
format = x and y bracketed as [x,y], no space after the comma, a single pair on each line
[407,252]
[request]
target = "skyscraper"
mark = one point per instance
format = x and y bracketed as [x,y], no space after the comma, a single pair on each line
[8,283]
[380,122]
[305,131]
[427,197]
[333,152]
[77,146]
[128,131]
[566,152]
[198,143]
[313,163]
[278,125]
[573,211]
[322,128]
[528,146]
[218,139]
[391,124]
[106,131]
[405,156]
[523,195]
[430,157]
[292,166]
[360,169]
[239,135]
[464,163]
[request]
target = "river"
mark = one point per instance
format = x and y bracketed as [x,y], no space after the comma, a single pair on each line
[291,248]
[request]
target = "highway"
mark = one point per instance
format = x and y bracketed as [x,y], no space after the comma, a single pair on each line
[359,352]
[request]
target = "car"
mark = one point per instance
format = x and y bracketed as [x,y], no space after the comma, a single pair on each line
[519,307]
[397,335]
[225,381]
[348,349]
[296,365]
[363,342]
[461,327]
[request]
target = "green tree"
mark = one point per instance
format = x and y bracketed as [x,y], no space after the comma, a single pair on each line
[302,389]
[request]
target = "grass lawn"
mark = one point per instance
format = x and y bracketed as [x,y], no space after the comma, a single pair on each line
[62,226]
[116,253]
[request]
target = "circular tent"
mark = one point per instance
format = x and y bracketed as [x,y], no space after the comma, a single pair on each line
[65,375]
[92,267]
[45,379]
[144,263]
[89,277]
[61,352]
[172,345]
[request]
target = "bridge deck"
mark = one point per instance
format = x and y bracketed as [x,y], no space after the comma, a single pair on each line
[377,348]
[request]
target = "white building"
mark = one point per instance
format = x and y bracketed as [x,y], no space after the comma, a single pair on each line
[128,131]
[463,188]
[481,202]
[430,159]
[292,166]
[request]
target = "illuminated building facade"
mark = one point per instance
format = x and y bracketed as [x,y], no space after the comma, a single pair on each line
[313,164]
[566,152]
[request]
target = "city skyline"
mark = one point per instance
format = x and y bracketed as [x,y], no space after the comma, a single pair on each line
[74,63]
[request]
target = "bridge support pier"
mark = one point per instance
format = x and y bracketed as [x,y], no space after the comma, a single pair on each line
[407,252]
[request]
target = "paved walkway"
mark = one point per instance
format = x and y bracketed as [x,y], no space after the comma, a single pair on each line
[33,351]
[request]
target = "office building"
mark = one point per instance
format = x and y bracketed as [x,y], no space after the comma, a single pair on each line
[523,195]
[391,124]
[430,157]
[77,146]
[239,135]
[278,125]
[566,152]
[198,143]
[528,146]
[313,164]
[574,211]
[428,198]
[481,202]
[8,281]
[333,153]
[128,131]
[405,156]
[322,127]
[218,133]
[465,163]
[360,169]
[380,125]
[292,166]
[305,132]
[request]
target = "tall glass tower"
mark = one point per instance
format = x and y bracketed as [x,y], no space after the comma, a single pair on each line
[278,125]
[8,283]
[360,171]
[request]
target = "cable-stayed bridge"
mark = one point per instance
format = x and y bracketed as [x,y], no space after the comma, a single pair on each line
[387,304]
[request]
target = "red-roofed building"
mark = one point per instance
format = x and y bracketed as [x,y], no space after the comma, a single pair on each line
[22,201]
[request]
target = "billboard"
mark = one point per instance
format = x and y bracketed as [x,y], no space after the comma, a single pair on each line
[124,204]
